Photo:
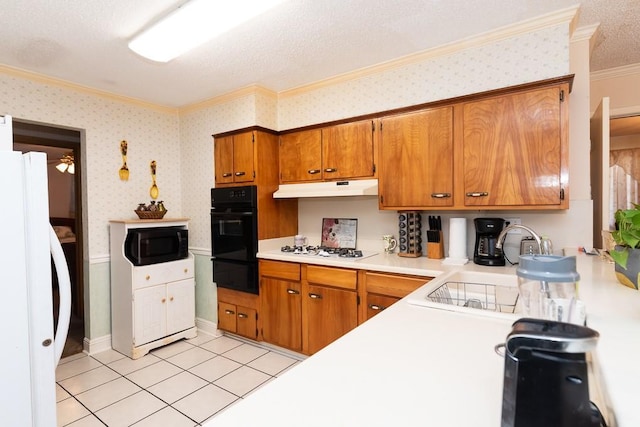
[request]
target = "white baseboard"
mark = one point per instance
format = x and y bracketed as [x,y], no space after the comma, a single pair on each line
[96,345]
[103,343]
[208,327]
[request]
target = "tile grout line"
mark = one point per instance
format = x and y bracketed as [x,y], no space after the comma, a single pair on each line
[182,370]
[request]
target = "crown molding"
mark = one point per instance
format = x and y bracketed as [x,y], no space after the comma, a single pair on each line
[41,78]
[252,90]
[562,16]
[612,73]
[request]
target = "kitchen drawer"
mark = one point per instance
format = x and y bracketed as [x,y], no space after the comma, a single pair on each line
[392,285]
[336,277]
[149,275]
[280,270]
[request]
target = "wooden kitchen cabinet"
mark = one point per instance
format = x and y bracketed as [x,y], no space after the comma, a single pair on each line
[238,312]
[281,303]
[301,156]
[380,290]
[339,152]
[238,320]
[330,305]
[234,158]
[515,149]
[416,160]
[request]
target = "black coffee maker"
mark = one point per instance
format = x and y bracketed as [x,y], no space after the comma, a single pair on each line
[546,375]
[487,231]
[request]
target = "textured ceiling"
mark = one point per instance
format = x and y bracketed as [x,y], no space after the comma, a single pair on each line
[299,42]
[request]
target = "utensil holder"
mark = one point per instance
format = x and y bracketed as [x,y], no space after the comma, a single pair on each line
[435,250]
[410,234]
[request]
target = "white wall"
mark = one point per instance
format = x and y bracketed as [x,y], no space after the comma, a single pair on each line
[621,85]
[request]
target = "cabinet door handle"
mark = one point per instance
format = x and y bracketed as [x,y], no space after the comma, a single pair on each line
[226,174]
[164,300]
[170,298]
[478,194]
[440,195]
[292,292]
[229,312]
[315,296]
[331,170]
[242,315]
[313,171]
[376,307]
[240,173]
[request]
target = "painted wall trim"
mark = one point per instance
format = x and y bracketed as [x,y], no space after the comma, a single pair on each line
[97,345]
[208,327]
[612,73]
[562,16]
[41,78]
[252,90]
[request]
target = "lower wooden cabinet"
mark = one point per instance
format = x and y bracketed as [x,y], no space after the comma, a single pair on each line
[281,304]
[380,290]
[305,307]
[331,313]
[238,313]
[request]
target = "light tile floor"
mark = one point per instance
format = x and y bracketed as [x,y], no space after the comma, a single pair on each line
[181,384]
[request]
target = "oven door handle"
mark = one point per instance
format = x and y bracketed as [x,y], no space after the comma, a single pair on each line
[231,213]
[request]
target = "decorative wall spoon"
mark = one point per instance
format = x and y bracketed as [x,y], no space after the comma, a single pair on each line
[124,170]
[153,192]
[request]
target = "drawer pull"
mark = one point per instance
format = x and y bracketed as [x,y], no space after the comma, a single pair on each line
[313,171]
[331,170]
[229,312]
[240,173]
[292,292]
[226,174]
[376,307]
[147,277]
[440,195]
[186,270]
[478,194]
[164,300]
[242,315]
[170,298]
[315,296]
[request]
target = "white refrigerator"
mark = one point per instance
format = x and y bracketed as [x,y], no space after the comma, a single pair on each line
[30,352]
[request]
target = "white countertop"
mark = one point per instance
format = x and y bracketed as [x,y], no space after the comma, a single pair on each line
[413,365]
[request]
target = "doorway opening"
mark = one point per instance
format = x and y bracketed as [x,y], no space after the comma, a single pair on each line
[64,169]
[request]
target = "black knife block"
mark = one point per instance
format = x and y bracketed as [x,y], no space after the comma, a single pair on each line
[410,234]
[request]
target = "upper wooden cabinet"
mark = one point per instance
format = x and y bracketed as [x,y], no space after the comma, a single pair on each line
[416,160]
[338,152]
[301,156]
[514,150]
[234,158]
[348,151]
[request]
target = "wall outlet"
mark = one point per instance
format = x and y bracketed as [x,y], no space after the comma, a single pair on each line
[510,221]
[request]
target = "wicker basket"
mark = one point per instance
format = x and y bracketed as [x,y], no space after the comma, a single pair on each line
[150,214]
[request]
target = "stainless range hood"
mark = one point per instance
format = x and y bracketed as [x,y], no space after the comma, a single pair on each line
[362,187]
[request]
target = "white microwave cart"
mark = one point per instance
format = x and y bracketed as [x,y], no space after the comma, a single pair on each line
[151,305]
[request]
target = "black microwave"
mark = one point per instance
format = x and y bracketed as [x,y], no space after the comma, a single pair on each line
[144,246]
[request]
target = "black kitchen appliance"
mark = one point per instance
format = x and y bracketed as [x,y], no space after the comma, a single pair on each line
[546,375]
[234,237]
[487,231]
[145,246]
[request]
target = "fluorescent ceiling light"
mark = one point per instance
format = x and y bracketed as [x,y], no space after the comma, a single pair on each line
[194,23]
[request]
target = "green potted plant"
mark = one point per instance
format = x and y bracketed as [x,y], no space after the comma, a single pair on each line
[626,254]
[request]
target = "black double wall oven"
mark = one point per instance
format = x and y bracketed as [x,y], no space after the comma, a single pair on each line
[234,237]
